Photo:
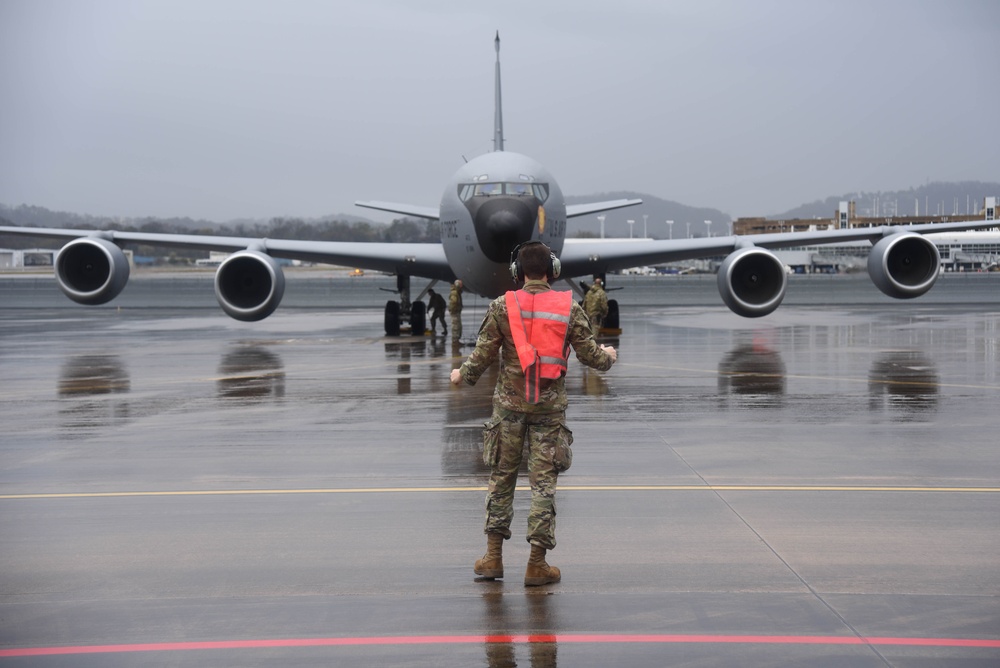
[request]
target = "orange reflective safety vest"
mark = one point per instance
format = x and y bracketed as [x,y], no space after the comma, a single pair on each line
[539,325]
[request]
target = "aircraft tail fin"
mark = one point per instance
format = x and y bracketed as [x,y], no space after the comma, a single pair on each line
[498,112]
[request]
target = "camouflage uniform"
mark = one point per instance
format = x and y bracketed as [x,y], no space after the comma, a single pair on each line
[455,309]
[515,421]
[595,303]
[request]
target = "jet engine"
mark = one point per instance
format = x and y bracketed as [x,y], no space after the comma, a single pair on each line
[752,282]
[249,285]
[904,265]
[91,270]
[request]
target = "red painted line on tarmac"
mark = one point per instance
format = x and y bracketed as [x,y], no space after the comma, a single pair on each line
[499,639]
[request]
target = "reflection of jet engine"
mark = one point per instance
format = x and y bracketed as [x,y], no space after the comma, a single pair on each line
[906,381]
[252,372]
[752,282]
[94,392]
[89,375]
[903,265]
[753,371]
[91,270]
[249,285]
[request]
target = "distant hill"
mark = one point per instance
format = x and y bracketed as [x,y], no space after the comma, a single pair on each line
[933,198]
[657,210]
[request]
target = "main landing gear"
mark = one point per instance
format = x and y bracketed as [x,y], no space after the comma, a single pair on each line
[404,315]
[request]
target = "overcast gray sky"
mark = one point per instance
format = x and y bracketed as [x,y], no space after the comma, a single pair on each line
[221,109]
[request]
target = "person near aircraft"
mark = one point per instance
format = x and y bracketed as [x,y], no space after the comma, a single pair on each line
[531,331]
[595,304]
[436,306]
[494,202]
[455,309]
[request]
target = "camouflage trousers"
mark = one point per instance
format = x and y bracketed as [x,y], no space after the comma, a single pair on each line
[456,325]
[548,446]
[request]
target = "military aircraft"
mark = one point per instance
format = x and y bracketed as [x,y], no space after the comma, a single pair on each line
[492,204]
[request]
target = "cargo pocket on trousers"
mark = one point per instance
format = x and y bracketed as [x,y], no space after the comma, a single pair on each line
[563,457]
[491,442]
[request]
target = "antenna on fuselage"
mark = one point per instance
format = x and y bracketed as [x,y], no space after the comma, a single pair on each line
[498,113]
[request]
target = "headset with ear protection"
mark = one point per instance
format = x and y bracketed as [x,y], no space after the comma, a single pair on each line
[517,273]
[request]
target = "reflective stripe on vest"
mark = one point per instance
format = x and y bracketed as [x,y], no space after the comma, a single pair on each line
[539,325]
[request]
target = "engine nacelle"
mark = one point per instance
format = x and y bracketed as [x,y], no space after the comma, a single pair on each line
[904,265]
[752,282]
[90,270]
[249,285]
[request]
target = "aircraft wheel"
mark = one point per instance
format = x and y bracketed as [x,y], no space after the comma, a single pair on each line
[392,318]
[418,318]
[611,321]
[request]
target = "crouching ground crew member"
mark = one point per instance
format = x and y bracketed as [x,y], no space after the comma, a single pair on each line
[531,331]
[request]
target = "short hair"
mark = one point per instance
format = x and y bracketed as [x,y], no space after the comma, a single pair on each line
[536,260]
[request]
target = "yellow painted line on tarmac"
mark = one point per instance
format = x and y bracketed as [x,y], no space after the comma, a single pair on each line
[563,488]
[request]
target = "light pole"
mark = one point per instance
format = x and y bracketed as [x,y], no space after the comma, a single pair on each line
[670,226]
[601,220]
[630,224]
[708,228]
[645,234]
[689,229]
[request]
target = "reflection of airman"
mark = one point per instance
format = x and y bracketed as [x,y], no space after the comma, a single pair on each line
[596,305]
[529,404]
[436,306]
[455,309]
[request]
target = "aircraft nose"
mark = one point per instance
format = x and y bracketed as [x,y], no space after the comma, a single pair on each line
[502,224]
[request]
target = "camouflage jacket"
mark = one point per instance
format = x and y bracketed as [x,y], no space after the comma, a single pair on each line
[455,299]
[596,301]
[495,342]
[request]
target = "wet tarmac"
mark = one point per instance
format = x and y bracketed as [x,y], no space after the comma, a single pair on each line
[819,487]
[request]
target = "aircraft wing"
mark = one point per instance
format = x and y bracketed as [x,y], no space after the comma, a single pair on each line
[595,256]
[424,260]
[405,209]
[573,210]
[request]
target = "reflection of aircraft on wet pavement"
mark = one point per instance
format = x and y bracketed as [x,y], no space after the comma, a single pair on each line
[755,373]
[905,383]
[94,390]
[493,203]
[251,372]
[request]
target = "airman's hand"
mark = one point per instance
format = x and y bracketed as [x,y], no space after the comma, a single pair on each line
[611,351]
[456,376]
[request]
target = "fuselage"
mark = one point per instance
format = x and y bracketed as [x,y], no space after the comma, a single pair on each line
[493,203]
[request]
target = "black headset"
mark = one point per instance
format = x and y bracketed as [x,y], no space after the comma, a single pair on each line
[517,273]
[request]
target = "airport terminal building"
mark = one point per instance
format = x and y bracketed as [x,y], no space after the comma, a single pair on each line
[960,251]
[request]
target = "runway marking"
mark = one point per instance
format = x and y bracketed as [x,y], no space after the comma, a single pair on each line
[563,488]
[557,638]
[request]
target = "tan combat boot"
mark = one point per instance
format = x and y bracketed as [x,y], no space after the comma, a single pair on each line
[490,566]
[539,572]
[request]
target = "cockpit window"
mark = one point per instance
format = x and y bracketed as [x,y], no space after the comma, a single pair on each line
[469,190]
[489,189]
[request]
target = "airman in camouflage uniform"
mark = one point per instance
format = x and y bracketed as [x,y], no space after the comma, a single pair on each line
[515,422]
[595,304]
[455,309]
